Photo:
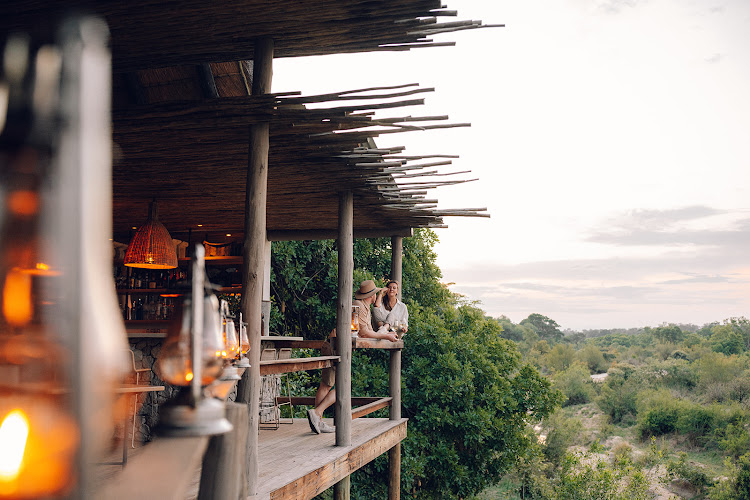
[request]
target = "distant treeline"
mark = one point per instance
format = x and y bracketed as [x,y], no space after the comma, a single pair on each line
[600,332]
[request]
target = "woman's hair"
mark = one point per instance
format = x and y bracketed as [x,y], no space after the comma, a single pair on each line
[386,300]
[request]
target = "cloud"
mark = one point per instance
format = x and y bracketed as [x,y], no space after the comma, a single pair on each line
[695,225]
[688,271]
[617,6]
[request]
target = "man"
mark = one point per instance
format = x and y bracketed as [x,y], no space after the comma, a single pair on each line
[326,396]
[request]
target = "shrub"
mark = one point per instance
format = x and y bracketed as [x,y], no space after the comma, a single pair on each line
[561,433]
[592,357]
[617,397]
[693,474]
[714,368]
[560,357]
[622,455]
[658,413]
[697,422]
[677,373]
[734,439]
[737,485]
[575,384]
[582,481]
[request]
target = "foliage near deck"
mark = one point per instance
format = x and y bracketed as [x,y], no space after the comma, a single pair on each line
[466,391]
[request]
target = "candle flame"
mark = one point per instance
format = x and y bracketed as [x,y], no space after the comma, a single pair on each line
[14,432]
[17,307]
[189,376]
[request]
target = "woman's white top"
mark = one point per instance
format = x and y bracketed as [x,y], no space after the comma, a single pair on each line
[398,313]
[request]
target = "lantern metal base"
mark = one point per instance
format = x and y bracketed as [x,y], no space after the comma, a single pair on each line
[243,363]
[230,373]
[207,418]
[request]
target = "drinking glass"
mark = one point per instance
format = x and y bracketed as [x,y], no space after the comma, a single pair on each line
[355,321]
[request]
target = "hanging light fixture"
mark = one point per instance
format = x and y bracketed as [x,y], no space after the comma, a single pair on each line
[152,246]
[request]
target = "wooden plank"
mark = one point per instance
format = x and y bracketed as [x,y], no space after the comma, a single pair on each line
[273,366]
[164,469]
[340,466]
[371,407]
[365,343]
[298,344]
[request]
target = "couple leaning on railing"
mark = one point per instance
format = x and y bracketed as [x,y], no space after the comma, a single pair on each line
[391,319]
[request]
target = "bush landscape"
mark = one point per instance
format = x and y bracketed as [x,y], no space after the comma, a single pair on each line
[499,410]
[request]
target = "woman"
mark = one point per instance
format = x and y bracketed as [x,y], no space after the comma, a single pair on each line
[388,309]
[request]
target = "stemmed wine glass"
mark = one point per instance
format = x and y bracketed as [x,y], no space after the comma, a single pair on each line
[398,328]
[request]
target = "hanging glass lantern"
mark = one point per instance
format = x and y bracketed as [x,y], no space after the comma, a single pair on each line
[175,360]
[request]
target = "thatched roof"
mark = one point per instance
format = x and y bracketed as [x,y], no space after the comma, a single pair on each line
[181,112]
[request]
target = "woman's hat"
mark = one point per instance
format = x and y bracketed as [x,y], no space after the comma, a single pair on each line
[366,289]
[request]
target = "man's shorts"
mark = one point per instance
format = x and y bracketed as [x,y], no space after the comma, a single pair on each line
[328,375]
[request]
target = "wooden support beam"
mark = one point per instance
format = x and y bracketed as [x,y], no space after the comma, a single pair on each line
[136,94]
[331,234]
[248,390]
[342,489]
[224,461]
[344,318]
[394,379]
[206,80]
[394,473]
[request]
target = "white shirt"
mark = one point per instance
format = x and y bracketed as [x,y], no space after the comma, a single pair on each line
[398,313]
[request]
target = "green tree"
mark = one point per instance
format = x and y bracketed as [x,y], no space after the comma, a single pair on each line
[668,333]
[726,340]
[575,384]
[511,331]
[592,357]
[560,357]
[545,327]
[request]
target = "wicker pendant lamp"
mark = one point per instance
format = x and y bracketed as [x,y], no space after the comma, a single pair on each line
[152,246]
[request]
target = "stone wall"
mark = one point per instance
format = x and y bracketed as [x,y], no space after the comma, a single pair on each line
[145,351]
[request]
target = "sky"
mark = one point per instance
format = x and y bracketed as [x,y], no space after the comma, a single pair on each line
[611,140]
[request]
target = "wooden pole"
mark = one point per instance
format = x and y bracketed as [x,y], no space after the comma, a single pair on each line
[394,372]
[341,490]
[248,390]
[225,459]
[343,320]
[394,379]
[397,254]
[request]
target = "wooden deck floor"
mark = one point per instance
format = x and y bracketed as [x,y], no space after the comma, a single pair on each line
[296,463]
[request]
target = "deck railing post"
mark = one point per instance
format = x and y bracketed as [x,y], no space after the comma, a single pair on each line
[248,390]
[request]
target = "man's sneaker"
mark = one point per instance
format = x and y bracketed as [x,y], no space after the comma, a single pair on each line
[324,427]
[314,421]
